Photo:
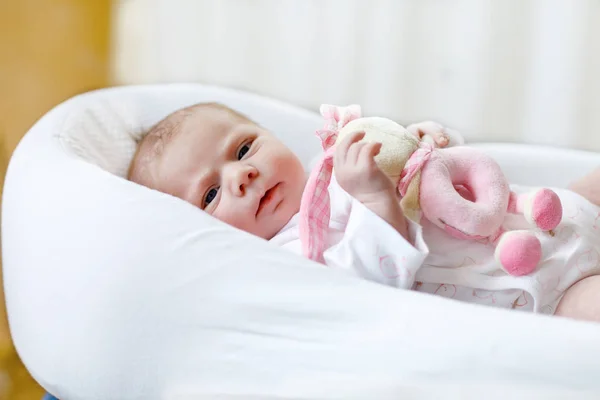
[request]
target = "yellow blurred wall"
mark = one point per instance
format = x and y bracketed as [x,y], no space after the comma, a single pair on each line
[50,50]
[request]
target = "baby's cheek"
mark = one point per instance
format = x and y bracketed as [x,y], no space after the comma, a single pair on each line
[230,215]
[282,157]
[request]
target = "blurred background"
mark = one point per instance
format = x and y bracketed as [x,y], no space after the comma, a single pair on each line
[498,70]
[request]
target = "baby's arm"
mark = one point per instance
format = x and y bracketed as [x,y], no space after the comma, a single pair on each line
[434,133]
[358,174]
[588,186]
[372,249]
[375,242]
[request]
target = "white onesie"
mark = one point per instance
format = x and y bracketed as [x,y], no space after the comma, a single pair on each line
[363,244]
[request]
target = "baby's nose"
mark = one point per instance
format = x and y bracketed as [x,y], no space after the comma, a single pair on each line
[243,177]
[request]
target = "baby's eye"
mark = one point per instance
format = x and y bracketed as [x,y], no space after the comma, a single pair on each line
[210,196]
[243,150]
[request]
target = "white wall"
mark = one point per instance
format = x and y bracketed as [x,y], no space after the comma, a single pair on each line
[499,70]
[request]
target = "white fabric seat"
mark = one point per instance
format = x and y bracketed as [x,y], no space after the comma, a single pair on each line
[115,291]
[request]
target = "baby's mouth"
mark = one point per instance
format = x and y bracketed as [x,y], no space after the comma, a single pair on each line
[266,199]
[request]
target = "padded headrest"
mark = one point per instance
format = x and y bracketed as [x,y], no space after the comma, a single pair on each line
[104,129]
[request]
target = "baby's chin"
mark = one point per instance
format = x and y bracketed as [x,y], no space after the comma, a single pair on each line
[276,223]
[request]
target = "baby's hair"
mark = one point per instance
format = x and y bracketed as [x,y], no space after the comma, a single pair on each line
[152,144]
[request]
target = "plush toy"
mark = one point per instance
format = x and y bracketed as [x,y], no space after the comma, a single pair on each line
[459,189]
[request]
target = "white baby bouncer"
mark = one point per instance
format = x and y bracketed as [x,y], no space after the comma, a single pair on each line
[115,291]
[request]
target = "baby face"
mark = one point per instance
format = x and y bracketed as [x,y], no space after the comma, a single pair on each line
[234,170]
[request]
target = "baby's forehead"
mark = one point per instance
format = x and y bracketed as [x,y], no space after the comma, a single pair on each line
[213,122]
[200,136]
[213,113]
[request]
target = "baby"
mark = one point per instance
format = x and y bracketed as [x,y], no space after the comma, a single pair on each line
[235,170]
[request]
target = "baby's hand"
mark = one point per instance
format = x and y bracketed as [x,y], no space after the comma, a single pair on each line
[356,170]
[358,174]
[430,132]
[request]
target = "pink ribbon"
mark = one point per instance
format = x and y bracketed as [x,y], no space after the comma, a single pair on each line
[414,164]
[315,207]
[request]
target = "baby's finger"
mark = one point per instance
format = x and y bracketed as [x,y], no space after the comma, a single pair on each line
[431,128]
[341,151]
[354,152]
[349,140]
[425,128]
[375,149]
[454,136]
[414,130]
[442,140]
[339,155]
[369,151]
